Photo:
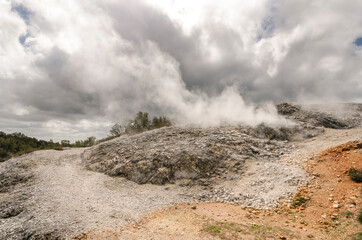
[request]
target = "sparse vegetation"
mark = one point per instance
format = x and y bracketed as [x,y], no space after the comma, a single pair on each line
[355,175]
[299,201]
[348,214]
[357,236]
[140,123]
[116,130]
[232,230]
[213,228]
[90,141]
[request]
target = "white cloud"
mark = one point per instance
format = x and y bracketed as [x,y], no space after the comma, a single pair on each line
[85,62]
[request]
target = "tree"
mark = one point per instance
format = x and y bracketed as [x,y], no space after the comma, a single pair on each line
[116,130]
[141,121]
[155,122]
[65,143]
[15,144]
[161,121]
[90,141]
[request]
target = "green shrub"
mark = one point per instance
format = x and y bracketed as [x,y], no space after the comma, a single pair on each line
[213,228]
[357,236]
[116,130]
[90,141]
[139,124]
[348,214]
[355,175]
[299,201]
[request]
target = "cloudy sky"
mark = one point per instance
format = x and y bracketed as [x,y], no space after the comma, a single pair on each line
[70,69]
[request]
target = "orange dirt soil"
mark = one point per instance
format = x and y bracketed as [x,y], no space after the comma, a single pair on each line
[327,209]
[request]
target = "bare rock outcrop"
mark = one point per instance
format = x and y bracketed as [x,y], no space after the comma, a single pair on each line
[335,116]
[170,154]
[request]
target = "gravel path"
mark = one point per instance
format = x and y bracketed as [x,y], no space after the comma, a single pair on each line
[65,199]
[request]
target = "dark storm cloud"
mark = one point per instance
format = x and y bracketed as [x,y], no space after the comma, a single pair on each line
[63,94]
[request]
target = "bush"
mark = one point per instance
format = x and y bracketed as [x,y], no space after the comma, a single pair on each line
[90,141]
[65,143]
[161,121]
[359,217]
[116,130]
[355,175]
[139,124]
[299,201]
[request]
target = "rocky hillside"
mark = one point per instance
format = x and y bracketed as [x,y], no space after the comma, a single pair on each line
[173,153]
[202,154]
[336,116]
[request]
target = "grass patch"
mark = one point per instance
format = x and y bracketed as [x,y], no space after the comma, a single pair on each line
[232,230]
[357,236]
[258,227]
[355,175]
[348,214]
[359,217]
[213,228]
[255,226]
[299,201]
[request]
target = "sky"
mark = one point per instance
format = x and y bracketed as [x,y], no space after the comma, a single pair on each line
[71,69]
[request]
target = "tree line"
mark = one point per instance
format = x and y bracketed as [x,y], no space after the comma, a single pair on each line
[16,144]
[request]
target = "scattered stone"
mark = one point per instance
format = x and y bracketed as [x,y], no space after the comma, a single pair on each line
[282,237]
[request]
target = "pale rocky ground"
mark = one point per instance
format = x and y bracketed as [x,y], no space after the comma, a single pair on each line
[63,199]
[58,194]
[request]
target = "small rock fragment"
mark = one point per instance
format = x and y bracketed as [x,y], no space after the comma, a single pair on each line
[282,237]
